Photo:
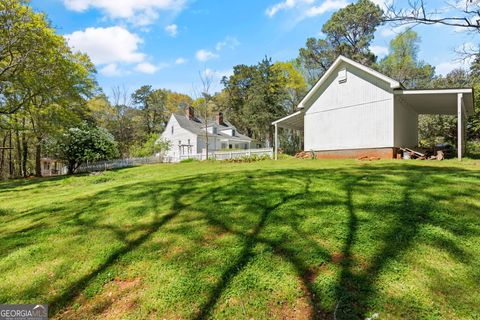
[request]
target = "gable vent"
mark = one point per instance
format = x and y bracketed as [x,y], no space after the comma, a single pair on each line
[342,75]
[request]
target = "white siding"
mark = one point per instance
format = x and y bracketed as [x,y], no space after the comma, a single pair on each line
[357,113]
[179,135]
[213,144]
[406,125]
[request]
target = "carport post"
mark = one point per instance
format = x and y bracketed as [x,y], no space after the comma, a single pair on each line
[276,141]
[459,126]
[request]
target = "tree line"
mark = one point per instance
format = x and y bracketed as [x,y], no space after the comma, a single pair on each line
[51,105]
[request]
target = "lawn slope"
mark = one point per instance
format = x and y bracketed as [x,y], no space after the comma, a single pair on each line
[292,239]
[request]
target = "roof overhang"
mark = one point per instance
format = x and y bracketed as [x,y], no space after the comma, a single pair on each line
[293,121]
[393,83]
[437,101]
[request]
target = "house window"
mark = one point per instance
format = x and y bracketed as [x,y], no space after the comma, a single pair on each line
[229,146]
[172,129]
[179,142]
[188,141]
[214,130]
[233,133]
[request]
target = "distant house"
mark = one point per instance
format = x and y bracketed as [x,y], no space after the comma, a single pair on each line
[188,134]
[52,167]
[356,111]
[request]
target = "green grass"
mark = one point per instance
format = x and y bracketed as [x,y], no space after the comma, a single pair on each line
[291,239]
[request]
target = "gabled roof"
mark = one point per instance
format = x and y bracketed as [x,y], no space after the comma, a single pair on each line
[394,84]
[197,126]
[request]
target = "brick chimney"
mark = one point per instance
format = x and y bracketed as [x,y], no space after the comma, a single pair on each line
[190,112]
[219,118]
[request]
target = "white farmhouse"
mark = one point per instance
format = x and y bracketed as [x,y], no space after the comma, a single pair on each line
[356,111]
[188,135]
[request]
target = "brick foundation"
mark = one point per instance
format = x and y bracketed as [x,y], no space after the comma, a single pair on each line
[382,153]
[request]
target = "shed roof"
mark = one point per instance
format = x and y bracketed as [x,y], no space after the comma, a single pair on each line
[394,84]
[437,101]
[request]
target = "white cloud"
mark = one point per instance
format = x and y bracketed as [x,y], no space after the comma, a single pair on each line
[107,45]
[327,5]
[229,42]
[379,50]
[285,5]
[146,67]
[180,61]
[216,76]
[205,55]
[392,31]
[110,70]
[383,3]
[447,66]
[139,12]
[468,47]
[172,30]
[460,29]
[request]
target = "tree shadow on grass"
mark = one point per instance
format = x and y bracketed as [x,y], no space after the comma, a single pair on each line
[129,245]
[252,238]
[356,290]
[260,196]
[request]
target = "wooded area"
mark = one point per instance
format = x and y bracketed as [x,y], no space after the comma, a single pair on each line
[48,93]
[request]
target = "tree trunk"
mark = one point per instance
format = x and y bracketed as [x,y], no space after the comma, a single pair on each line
[25,150]
[10,163]
[2,158]
[71,167]
[19,153]
[38,155]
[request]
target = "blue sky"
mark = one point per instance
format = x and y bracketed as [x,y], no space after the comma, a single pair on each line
[166,43]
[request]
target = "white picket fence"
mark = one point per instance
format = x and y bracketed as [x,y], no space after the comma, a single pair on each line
[119,163]
[225,155]
[130,162]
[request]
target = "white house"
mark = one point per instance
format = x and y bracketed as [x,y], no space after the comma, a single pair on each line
[354,111]
[188,135]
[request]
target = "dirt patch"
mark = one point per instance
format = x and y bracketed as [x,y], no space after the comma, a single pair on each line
[311,300]
[311,274]
[214,232]
[173,252]
[337,257]
[125,284]
[300,310]
[118,298]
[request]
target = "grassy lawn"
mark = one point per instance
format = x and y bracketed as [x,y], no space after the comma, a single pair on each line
[292,239]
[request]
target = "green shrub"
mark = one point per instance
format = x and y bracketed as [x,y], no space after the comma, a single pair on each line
[252,158]
[284,156]
[189,160]
[473,149]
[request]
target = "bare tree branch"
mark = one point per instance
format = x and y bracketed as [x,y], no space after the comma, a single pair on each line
[467,16]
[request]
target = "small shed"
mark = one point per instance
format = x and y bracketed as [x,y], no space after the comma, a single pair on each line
[355,111]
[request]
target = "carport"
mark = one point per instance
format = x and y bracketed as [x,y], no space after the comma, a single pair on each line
[294,121]
[457,102]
